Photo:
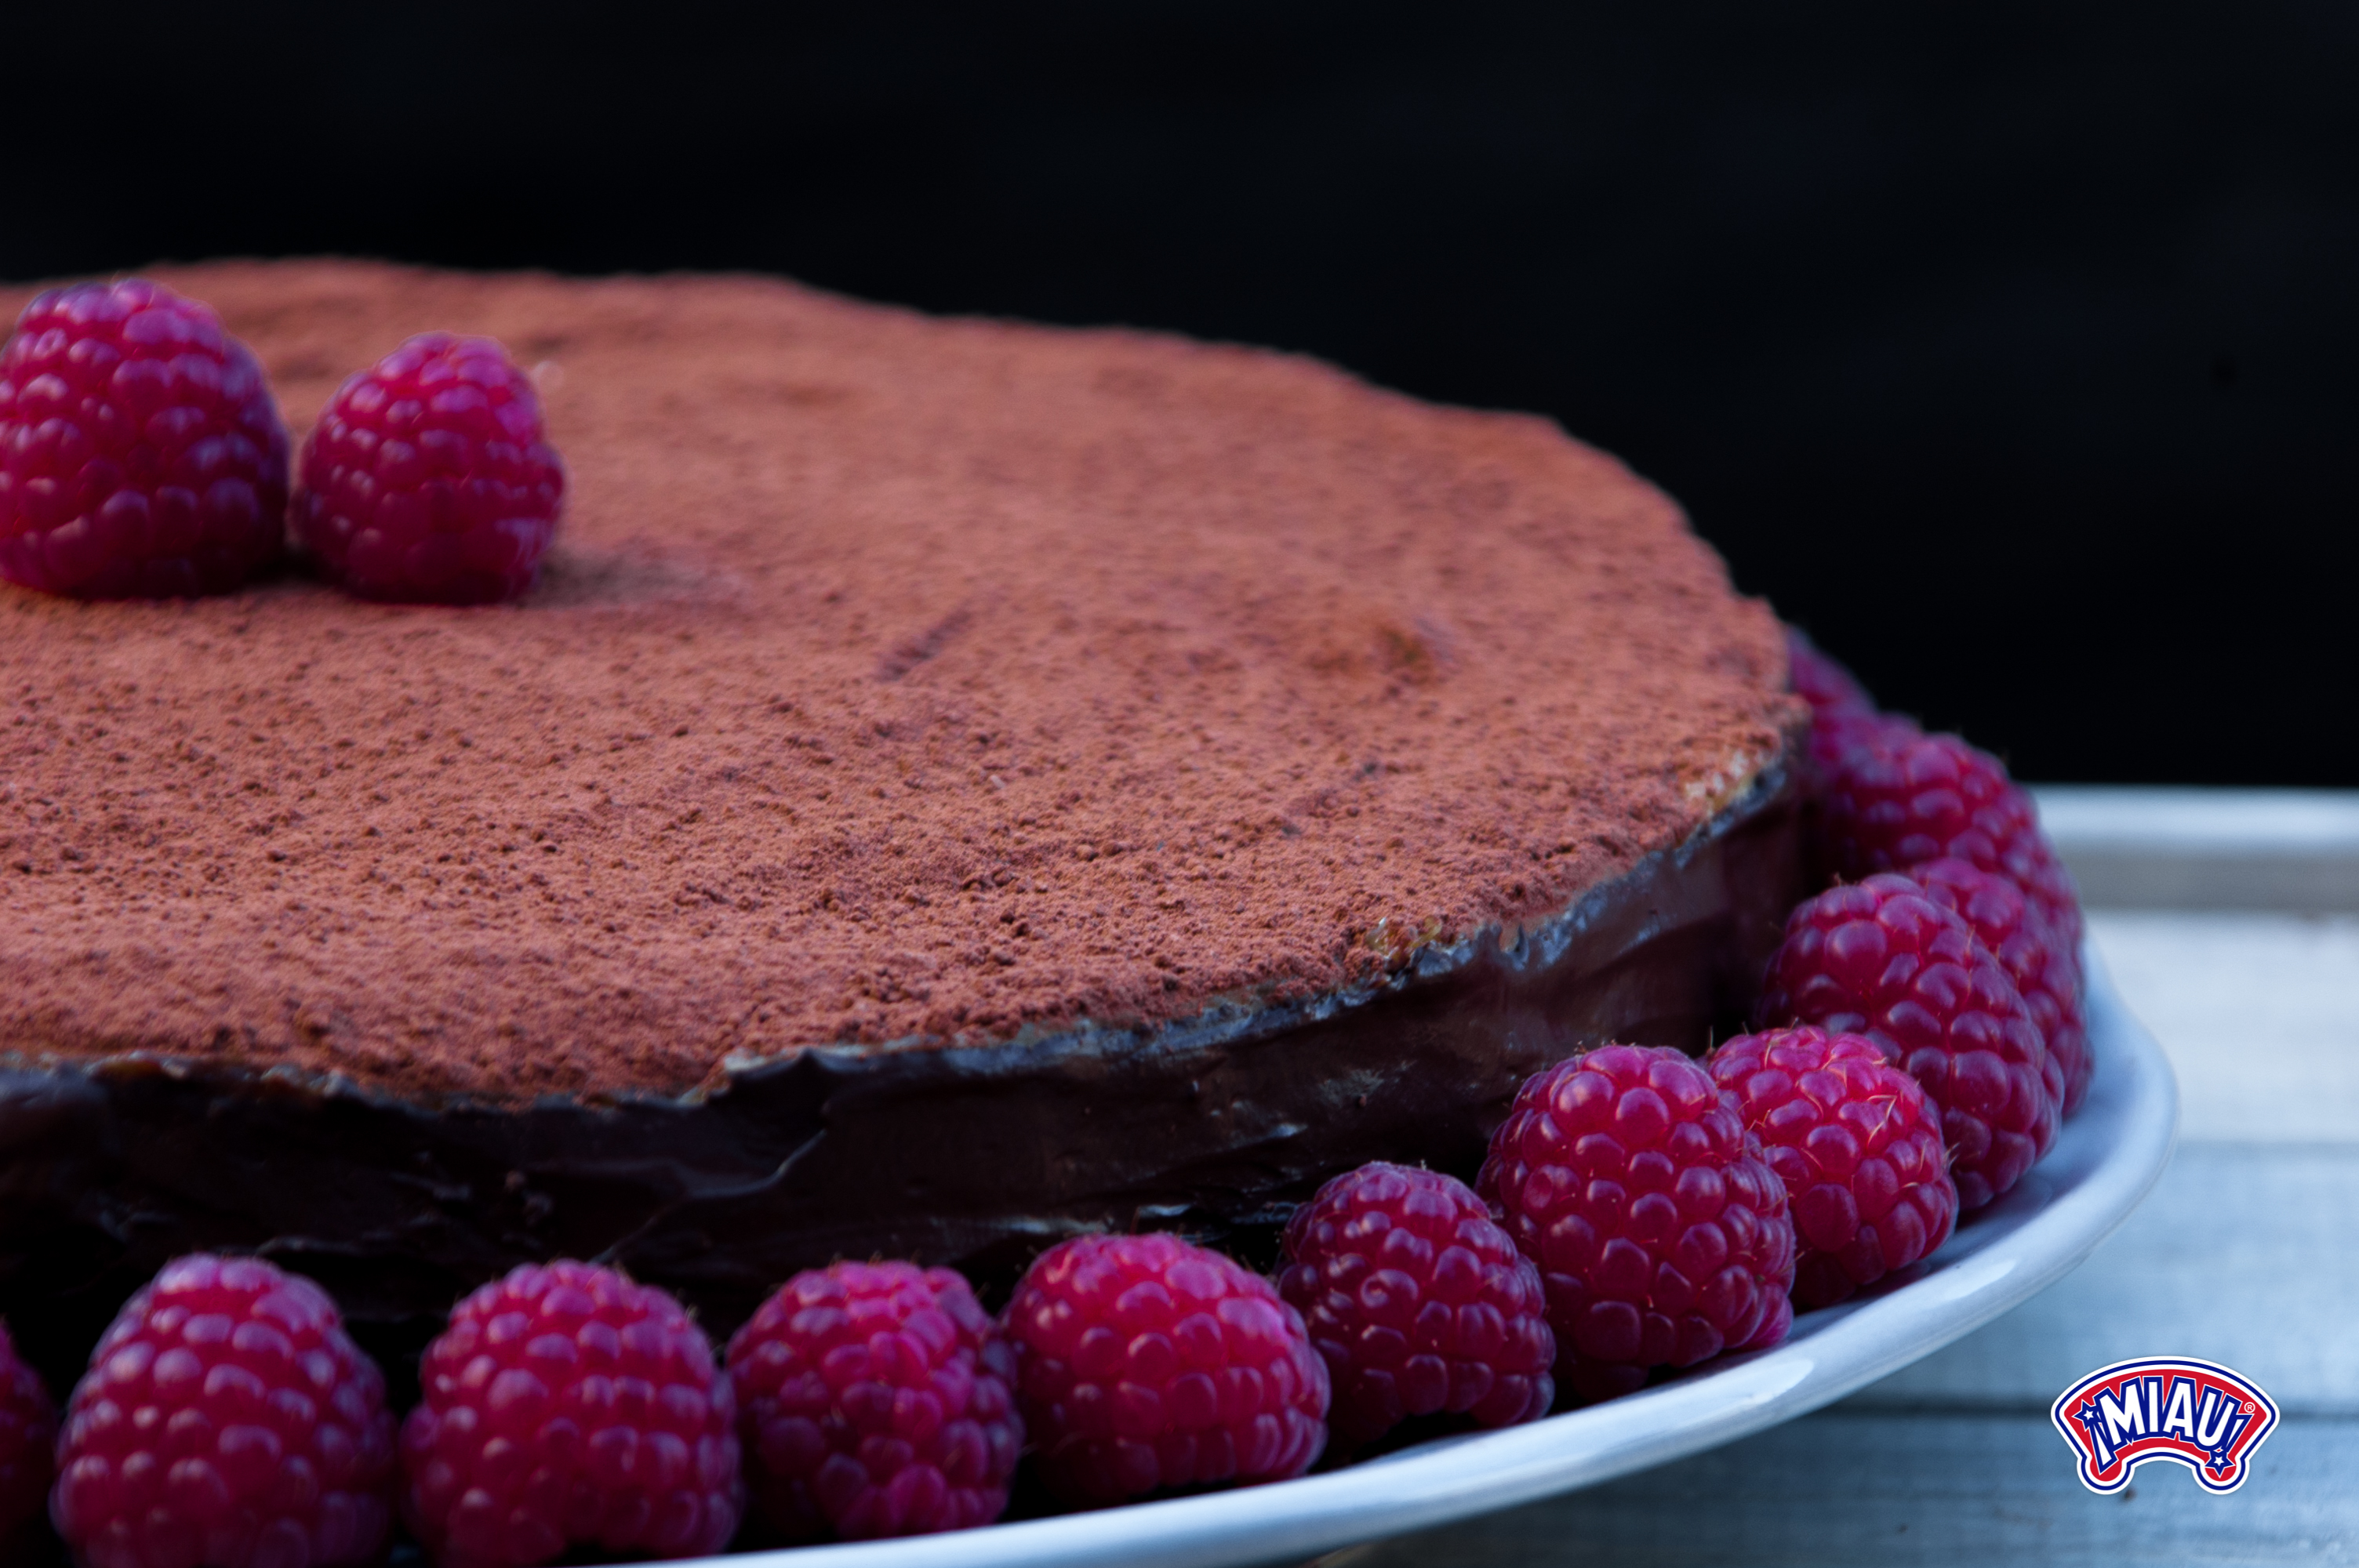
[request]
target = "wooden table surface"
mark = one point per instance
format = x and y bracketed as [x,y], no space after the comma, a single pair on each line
[2246,1253]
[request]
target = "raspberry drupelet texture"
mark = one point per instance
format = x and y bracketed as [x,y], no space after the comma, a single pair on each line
[1418,1302]
[2043,967]
[1894,798]
[1661,1234]
[429,478]
[1146,1362]
[567,1406]
[1881,959]
[226,1422]
[876,1399]
[1858,1145]
[28,1433]
[141,456]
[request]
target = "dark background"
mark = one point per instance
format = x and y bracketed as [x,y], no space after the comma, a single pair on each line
[2008,347]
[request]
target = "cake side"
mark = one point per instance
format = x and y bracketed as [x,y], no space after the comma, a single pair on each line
[974,1157]
[896,682]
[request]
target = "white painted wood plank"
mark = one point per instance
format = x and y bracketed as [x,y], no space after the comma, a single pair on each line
[2244,1255]
[1843,1487]
[2158,819]
[2207,848]
[2260,1014]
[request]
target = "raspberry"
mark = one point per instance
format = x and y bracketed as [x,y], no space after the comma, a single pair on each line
[28,1432]
[427,478]
[567,1406]
[140,454]
[876,1399]
[1830,689]
[2043,967]
[1858,1145]
[1843,719]
[1893,799]
[1879,958]
[1662,1236]
[1146,1362]
[227,1421]
[1418,1302]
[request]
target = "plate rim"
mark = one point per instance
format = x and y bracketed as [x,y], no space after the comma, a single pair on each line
[1987,1270]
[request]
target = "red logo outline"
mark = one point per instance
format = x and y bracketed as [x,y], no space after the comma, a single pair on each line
[2196,1413]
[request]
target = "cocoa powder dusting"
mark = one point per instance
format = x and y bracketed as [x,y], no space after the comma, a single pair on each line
[895,680]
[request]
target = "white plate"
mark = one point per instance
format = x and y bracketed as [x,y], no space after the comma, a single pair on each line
[2107,1158]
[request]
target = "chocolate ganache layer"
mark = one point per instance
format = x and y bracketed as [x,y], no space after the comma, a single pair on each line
[955,781]
[977,1156]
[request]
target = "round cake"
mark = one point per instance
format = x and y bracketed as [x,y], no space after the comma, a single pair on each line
[954,783]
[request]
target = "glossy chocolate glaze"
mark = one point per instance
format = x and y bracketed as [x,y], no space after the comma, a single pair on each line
[973,1156]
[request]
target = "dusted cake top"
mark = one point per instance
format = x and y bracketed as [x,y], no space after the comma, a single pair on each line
[894,680]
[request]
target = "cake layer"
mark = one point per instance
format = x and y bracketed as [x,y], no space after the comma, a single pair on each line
[976,1157]
[895,683]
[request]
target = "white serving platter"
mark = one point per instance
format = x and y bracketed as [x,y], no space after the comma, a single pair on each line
[2102,1166]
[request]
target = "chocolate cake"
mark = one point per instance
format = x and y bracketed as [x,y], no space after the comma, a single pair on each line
[955,782]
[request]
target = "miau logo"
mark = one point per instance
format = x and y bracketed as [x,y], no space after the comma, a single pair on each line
[2190,1412]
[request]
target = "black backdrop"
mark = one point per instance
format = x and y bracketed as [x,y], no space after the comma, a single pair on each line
[2010,347]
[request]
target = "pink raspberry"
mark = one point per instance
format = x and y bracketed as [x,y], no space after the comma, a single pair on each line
[1418,1302]
[141,456]
[1893,799]
[1146,1362]
[28,1433]
[1830,689]
[1879,958]
[1858,1145]
[566,1406]
[1661,1234]
[1843,718]
[228,1422]
[428,479]
[876,1399]
[2042,967]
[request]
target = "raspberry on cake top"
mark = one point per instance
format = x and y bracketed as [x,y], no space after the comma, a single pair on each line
[896,681]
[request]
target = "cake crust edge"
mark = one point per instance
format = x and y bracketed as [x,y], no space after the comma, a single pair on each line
[976,1157]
